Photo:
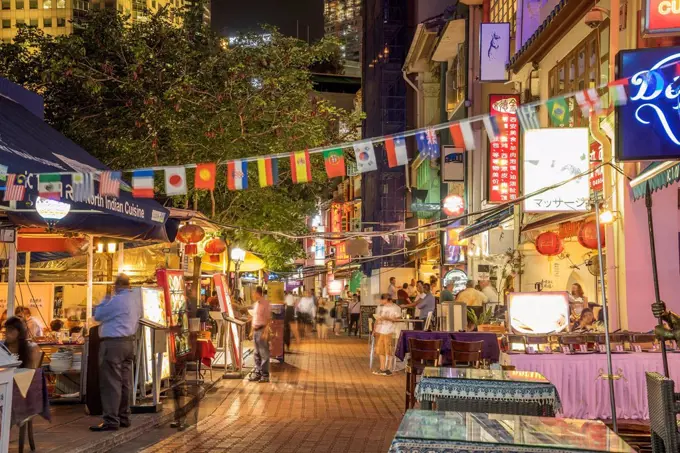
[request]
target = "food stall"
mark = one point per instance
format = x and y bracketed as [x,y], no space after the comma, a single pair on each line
[540,338]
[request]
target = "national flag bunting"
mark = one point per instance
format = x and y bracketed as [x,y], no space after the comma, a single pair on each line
[268,171]
[396,151]
[462,135]
[142,183]
[428,145]
[15,188]
[3,173]
[589,100]
[558,111]
[617,92]
[300,167]
[528,118]
[334,161]
[492,126]
[365,157]
[49,186]
[109,183]
[237,175]
[175,181]
[83,186]
[205,176]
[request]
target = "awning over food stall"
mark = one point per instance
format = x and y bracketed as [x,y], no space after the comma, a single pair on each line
[552,220]
[657,175]
[484,223]
[30,146]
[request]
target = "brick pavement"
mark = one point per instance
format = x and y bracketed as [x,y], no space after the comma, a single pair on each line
[323,399]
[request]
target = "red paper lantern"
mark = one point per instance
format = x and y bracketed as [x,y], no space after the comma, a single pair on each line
[587,235]
[549,244]
[214,247]
[190,234]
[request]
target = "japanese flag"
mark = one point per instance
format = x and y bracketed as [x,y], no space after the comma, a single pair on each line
[175,181]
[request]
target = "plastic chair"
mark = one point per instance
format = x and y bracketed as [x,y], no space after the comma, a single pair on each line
[466,353]
[423,353]
[663,409]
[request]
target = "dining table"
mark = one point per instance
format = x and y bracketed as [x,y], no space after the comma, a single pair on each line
[485,390]
[490,350]
[469,432]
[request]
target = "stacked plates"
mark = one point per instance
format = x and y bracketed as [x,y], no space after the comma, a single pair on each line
[77,361]
[60,362]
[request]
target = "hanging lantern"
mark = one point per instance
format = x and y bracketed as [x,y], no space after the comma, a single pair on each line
[587,235]
[214,247]
[190,234]
[549,244]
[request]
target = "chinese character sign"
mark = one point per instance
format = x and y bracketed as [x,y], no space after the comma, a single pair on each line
[504,150]
[597,176]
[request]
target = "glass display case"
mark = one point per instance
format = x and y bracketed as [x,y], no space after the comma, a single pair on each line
[172,283]
[154,310]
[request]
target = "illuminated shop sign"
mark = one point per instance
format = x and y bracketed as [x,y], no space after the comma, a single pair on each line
[648,126]
[661,17]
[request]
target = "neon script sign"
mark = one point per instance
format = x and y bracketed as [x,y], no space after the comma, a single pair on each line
[648,127]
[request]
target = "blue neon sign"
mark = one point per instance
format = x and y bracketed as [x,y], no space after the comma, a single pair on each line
[648,126]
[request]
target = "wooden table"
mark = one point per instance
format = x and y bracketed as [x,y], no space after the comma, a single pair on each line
[444,432]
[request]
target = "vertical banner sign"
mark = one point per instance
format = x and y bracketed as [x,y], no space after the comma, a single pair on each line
[597,176]
[661,17]
[220,281]
[504,150]
[494,55]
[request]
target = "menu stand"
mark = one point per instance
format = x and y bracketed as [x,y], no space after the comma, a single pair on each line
[159,345]
[235,369]
[220,359]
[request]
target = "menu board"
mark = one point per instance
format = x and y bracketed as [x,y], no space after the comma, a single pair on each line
[172,282]
[367,312]
[504,150]
[154,310]
[226,306]
[538,313]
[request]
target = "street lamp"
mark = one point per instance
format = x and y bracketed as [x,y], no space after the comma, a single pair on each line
[238,256]
[51,210]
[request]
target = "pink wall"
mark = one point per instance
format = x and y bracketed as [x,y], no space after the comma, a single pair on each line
[639,283]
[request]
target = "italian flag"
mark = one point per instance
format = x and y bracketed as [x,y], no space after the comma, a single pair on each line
[49,186]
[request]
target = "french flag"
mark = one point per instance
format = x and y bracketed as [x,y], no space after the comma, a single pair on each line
[237,175]
[142,184]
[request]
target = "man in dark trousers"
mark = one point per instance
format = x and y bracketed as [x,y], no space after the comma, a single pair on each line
[119,317]
[262,315]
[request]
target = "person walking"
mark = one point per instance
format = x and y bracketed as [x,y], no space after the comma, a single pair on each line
[262,314]
[288,318]
[119,317]
[388,313]
[306,313]
[354,315]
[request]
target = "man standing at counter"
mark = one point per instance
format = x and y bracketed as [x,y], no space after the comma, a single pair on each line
[119,317]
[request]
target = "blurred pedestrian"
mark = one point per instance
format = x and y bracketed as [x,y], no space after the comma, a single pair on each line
[306,312]
[354,315]
[289,318]
[262,315]
[321,326]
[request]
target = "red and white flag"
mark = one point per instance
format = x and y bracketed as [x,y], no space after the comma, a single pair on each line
[396,151]
[462,135]
[15,188]
[175,181]
[589,100]
[109,183]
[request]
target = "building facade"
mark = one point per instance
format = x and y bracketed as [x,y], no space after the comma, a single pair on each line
[62,17]
[342,20]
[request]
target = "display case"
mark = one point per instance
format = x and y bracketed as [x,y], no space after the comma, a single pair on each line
[172,283]
[154,310]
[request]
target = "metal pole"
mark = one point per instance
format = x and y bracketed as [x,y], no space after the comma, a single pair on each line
[610,368]
[12,257]
[655,274]
[90,277]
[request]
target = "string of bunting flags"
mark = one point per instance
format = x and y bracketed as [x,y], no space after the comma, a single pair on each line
[50,185]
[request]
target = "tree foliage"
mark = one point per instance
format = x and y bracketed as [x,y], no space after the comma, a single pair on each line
[152,93]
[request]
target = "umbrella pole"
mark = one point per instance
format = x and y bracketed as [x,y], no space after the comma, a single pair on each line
[655,273]
[610,368]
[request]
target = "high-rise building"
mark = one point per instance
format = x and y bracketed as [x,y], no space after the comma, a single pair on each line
[61,17]
[207,10]
[342,19]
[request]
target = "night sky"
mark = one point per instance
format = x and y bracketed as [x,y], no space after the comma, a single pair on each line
[231,16]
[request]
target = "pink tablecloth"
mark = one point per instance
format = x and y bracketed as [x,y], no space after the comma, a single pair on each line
[586,396]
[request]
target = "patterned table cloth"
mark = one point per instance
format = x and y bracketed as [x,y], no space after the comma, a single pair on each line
[438,446]
[430,389]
